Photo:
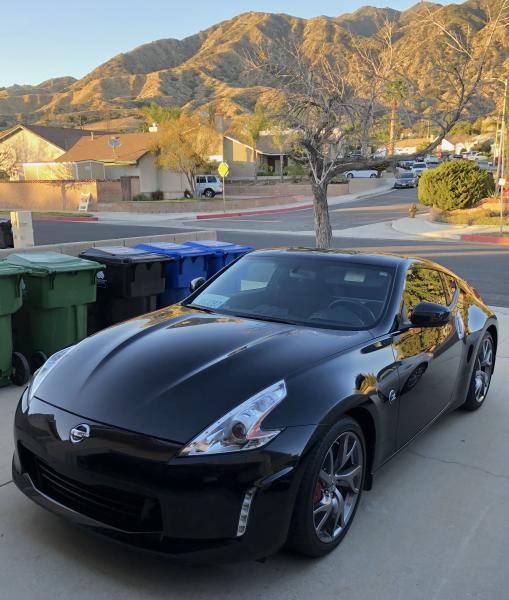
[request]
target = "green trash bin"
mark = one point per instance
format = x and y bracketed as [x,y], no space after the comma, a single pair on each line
[13,366]
[57,290]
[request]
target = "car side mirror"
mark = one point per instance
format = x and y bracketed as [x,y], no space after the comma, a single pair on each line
[196,284]
[430,314]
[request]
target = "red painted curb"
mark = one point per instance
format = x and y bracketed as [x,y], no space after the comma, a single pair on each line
[250,213]
[485,238]
[59,218]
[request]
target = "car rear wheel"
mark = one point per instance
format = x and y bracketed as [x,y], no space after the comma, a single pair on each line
[481,376]
[349,175]
[372,176]
[330,491]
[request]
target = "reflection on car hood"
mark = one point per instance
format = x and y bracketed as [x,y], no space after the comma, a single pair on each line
[171,373]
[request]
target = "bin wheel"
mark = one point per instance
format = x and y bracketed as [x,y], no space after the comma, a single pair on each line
[20,369]
[37,359]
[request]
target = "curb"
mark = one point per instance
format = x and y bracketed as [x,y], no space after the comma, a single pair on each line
[271,211]
[67,219]
[489,239]
[250,213]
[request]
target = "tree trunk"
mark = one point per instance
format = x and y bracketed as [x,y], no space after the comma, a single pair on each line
[255,163]
[392,128]
[281,161]
[323,230]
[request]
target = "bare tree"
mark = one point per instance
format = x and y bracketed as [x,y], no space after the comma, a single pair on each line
[332,100]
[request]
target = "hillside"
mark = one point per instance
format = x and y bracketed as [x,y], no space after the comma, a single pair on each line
[209,66]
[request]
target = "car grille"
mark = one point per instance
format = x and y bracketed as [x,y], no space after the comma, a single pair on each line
[120,509]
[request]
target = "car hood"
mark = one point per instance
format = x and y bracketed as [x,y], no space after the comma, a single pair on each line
[172,373]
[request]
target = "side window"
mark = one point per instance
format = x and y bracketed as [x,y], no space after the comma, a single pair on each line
[201,180]
[211,179]
[423,285]
[450,286]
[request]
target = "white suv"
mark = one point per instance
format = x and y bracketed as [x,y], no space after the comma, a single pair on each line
[208,185]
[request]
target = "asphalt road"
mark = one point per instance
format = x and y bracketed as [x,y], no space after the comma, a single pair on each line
[485,266]
[60,232]
[434,527]
[385,207]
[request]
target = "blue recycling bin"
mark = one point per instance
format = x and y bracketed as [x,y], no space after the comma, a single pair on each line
[188,264]
[220,253]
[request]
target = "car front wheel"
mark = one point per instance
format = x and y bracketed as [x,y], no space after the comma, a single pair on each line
[330,490]
[209,193]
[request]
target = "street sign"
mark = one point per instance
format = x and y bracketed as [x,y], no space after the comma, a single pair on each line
[501,181]
[223,169]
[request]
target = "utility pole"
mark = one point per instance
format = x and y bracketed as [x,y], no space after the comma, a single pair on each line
[503,142]
[392,127]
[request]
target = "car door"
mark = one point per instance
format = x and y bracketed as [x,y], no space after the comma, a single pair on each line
[428,358]
[201,183]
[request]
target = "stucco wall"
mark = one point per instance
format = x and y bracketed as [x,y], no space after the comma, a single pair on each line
[45,195]
[28,147]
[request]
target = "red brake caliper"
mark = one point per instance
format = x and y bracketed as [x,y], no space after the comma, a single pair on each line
[318,493]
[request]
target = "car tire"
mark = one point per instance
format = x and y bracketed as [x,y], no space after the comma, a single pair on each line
[373,176]
[481,375]
[350,175]
[208,193]
[20,369]
[312,498]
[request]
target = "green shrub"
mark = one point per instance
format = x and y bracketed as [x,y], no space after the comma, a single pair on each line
[141,198]
[157,195]
[455,184]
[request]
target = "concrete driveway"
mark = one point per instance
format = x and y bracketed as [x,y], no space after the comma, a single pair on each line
[435,526]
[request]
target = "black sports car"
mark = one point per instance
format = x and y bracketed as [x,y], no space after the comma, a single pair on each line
[254,413]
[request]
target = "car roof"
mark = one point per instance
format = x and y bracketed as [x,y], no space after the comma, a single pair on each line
[352,256]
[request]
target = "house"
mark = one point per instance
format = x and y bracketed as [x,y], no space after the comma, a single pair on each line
[457,144]
[410,145]
[127,157]
[38,143]
[242,157]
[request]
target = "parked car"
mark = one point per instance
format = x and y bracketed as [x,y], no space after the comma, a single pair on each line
[406,179]
[405,164]
[432,161]
[418,168]
[208,185]
[361,173]
[256,412]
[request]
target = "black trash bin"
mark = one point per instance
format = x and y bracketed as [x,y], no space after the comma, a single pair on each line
[6,240]
[129,285]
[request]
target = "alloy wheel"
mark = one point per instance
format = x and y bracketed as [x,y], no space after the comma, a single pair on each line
[483,370]
[337,487]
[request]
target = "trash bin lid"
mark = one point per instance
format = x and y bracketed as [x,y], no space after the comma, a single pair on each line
[115,255]
[173,250]
[8,270]
[218,247]
[40,264]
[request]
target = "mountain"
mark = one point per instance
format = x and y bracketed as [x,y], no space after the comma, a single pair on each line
[209,66]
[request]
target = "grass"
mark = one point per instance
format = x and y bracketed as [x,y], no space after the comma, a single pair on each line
[475,216]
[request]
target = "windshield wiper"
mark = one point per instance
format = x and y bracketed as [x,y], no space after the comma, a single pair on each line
[267,318]
[200,308]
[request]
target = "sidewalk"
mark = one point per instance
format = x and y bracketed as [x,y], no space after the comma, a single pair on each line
[422,227]
[159,219]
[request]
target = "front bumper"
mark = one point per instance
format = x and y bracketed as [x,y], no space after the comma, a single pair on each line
[133,488]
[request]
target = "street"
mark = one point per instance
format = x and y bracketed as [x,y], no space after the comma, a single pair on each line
[485,266]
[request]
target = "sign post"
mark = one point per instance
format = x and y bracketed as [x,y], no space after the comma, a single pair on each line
[223,171]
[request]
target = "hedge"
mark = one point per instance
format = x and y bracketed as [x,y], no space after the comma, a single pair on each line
[455,184]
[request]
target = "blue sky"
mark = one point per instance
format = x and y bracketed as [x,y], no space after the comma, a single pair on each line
[50,38]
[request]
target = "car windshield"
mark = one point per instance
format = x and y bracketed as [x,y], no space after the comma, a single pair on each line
[406,176]
[419,165]
[302,290]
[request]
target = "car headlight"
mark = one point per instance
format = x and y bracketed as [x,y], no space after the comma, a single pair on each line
[41,374]
[241,428]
